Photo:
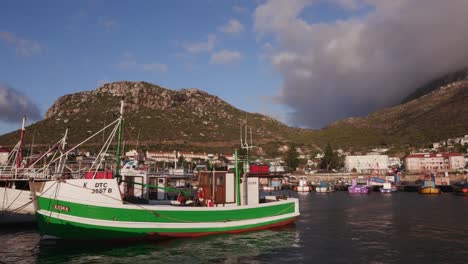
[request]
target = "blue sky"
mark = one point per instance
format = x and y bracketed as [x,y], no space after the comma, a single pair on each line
[305,62]
[71,46]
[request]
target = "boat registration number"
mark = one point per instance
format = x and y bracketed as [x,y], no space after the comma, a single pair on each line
[101,190]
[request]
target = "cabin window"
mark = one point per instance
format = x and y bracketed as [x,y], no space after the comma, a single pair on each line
[220,180]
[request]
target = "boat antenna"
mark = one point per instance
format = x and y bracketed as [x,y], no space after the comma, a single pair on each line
[245,143]
[119,140]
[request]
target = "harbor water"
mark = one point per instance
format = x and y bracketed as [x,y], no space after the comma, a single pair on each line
[333,228]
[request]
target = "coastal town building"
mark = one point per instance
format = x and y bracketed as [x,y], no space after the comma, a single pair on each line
[134,154]
[368,164]
[394,161]
[171,156]
[420,162]
[450,142]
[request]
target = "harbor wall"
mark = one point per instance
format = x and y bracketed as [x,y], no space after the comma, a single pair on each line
[347,177]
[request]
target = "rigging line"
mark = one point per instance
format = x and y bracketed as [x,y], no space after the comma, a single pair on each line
[100,156]
[14,200]
[105,151]
[86,140]
[30,166]
[34,199]
[50,215]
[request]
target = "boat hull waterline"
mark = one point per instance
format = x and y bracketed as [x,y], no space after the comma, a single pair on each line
[429,190]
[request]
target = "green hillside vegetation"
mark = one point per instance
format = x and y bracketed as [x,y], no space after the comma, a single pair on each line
[157,118]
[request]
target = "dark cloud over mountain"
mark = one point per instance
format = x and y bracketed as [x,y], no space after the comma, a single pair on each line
[14,104]
[355,66]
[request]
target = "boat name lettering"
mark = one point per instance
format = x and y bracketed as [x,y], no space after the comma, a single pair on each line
[100,184]
[59,207]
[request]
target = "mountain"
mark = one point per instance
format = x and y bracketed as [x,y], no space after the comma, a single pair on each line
[155,118]
[436,84]
[437,115]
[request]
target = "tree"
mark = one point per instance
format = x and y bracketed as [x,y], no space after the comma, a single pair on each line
[330,159]
[291,157]
[181,161]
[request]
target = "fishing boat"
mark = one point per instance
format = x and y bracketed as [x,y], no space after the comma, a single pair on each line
[429,187]
[324,187]
[461,190]
[271,183]
[15,196]
[93,209]
[359,185]
[303,186]
[388,188]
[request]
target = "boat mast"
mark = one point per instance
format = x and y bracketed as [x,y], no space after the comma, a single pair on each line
[245,145]
[119,140]
[63,155]
[237,179]
[19,156]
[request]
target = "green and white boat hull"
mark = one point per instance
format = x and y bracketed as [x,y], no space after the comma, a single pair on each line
[94,210]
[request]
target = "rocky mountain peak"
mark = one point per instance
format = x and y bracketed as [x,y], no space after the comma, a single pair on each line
[137,95]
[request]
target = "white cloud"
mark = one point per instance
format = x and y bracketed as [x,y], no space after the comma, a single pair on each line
[24,47]
[102,81]
[225,57]
[203,46]
[107,23]
[14,104]
[240,9]
[129,62]
[352,67]
[155,67]
[232,27]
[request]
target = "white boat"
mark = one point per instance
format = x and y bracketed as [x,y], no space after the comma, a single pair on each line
[388,188]
[303,186]
[15,198]
[324,187]
[93,208]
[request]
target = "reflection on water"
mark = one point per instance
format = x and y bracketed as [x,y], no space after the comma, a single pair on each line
[212,249]
[333,228]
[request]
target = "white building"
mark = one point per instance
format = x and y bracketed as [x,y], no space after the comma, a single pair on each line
[418,162]
[169,156]
[394,161]
[372,164]
[464,140]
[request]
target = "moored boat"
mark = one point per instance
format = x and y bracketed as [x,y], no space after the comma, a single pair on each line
[15,197]
[429,187]
[94,209]
[388,188]
[461,190]
[359,185]
[324,187]
[303,186]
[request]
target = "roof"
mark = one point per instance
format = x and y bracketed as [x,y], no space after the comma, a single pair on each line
[435,155]
[4,150]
